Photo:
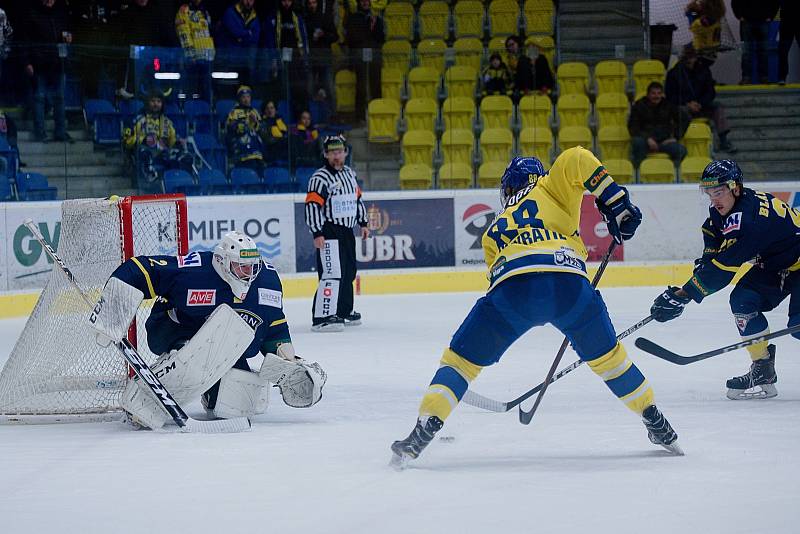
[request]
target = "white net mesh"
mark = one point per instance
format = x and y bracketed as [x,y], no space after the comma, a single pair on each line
[56,367]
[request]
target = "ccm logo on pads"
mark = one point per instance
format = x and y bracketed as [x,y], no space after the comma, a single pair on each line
[732,223]
[201,297]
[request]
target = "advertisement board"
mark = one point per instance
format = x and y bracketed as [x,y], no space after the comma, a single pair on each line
[28,265]
[3,253]
[594,233]
[473,212]
[404,233]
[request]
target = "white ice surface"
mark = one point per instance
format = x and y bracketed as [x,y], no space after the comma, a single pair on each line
[584,465]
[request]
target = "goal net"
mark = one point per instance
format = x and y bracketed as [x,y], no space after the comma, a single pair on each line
[56,371]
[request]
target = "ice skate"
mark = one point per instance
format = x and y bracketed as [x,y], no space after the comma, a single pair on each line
[329,324]
[758,383]
[660,431]
[352,319]
[411,447]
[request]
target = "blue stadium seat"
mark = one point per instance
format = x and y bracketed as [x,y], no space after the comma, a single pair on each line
[178,118]
[302,175]
[72,94]
[180,181]
[34,186]
[279,180]
[198,113]
[104,121]
[213,182]
[212,151]
[106,89]
[12,161]
[246,181]
[128,110]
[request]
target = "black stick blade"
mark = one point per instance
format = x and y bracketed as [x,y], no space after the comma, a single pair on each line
[660,352]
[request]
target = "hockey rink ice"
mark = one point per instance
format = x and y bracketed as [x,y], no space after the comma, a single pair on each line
[584,465]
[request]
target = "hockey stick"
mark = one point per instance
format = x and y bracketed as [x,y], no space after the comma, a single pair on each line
[142,370]
[660,352]
[485,403]
[525,417]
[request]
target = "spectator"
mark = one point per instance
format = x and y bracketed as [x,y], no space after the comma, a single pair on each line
[496,77]
[520,66]
[705,23]
[241,133]
[364,30]
[8,136]
[543,80]
[237,37]
[690,87]
[653,125]
[789,31]
[754,18]
[153,143]
[284,29]
[5,38]
[46,33]
[321,36]
[192,24]
[274,134]
[307,150]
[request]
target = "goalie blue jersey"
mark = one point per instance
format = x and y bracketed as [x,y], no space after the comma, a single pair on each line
[187,289]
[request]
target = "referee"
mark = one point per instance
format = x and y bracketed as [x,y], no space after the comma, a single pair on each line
[333,207]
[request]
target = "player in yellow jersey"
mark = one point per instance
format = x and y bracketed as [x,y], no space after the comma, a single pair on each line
[537,275]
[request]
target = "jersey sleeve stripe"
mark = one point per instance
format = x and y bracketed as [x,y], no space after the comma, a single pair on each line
[277,322]
[728,268]
[146,277]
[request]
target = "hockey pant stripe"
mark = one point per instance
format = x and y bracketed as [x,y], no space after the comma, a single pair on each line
[623,378]
[448,385]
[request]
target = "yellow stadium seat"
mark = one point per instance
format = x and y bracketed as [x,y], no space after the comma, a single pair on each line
[458,146]
[545,44]
[396,55]
[610,76]
[503,17]
[420,114]
[383,114]
[399,18]
[692,168]
[536,142]
[469,52]
[430,53]
[458,113]
[460,81]
[574,136]
[496,111]
[573,110]
[489,173]
[423,82]
[418,147]
[416,176]
[538,16]
[392,83]
[345,81]
[614,142]
[573,78]
[646,71]
[434,20]
[468,18]
[657,171]
[535,110]
[496,144]
[497,45]
[612,109]
[455,176]
[698,139]
[621,170]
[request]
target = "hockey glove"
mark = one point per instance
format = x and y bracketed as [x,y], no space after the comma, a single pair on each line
[621,217]
[668,305]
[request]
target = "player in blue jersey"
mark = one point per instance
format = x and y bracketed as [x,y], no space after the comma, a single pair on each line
[202,301]
[537,275]
[743,226]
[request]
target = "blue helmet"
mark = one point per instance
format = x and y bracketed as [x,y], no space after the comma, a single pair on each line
[520,173]
[724,171]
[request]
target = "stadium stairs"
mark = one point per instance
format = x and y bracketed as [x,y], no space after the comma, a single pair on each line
[377,164]
[613,23]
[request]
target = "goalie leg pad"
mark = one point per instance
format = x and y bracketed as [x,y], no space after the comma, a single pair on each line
[300,382]
[188,372]
[241,394]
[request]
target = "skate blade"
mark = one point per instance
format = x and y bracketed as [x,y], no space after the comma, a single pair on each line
[328,328]
[674,449]
[399,462]
[352,323]
[764,391]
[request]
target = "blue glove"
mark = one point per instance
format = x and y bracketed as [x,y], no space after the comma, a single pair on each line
[668,305]
[621,217]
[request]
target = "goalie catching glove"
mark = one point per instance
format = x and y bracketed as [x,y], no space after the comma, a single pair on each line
[621,217]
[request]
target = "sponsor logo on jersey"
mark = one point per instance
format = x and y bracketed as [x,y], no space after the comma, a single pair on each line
[249,253]
[732,223]
[566,259]
[201,297]
[253,320]
[596,178]
[270,297]
[192,259]
[476,219]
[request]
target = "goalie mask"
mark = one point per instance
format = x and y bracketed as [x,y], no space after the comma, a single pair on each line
[237,261]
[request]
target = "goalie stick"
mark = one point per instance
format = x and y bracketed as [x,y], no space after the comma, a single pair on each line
[660,352]
[492,405]
[142,370]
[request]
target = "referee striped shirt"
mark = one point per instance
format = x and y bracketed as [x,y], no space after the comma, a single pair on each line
[334,197]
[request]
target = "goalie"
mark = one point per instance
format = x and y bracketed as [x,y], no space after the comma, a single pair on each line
[213,312]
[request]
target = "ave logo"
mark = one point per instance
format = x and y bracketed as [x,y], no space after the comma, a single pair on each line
[201,297]
[732,223]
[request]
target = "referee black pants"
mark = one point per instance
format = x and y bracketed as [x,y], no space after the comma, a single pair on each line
[336,269]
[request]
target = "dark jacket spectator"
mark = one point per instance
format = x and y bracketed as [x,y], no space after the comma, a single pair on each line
[320,24]
[754,10]
[146,23]
[496,78]
[543,74]
[45,28]
[274,134]
[6,32]
[240,27]
[520,66]
[654,126]
[754,18]
[285,29]
[364,29]
[307,147]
